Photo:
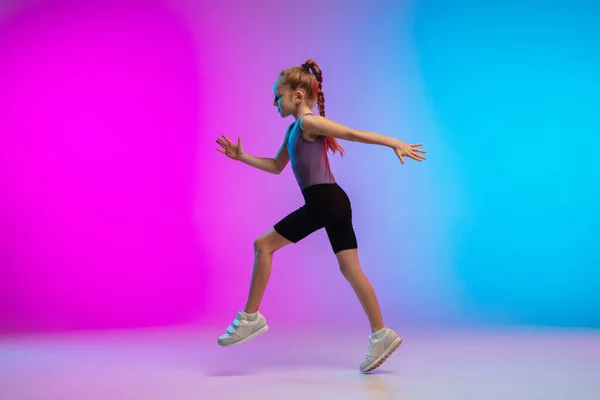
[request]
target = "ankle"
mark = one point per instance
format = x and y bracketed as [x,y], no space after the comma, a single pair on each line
[377,329]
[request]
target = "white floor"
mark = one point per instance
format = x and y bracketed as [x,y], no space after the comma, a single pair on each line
[185,363]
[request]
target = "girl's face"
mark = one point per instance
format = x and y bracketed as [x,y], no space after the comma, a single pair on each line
[285,100]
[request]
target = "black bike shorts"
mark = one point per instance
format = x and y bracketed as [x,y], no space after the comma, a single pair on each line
[326,206]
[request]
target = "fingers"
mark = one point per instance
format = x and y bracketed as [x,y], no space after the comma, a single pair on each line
[227,139]
[413,152]
[220,150]
[417,145]
[222,143]
[417,157]
[225,145]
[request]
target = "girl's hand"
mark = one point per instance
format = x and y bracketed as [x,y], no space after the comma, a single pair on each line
[409,150]
[233,151]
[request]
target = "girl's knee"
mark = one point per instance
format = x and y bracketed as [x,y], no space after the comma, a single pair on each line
[259,244]
[348,261]
[263,245]
[270,242]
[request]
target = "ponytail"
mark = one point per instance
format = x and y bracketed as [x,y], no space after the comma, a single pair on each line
[312,66]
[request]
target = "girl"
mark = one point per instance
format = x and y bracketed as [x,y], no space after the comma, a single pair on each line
[326,204]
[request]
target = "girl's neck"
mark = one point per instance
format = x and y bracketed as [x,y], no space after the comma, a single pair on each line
[302,110]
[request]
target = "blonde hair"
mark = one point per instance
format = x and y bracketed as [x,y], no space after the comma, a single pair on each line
[312,84]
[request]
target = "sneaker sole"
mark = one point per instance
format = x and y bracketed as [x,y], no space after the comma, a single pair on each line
[255,334]
[377,363]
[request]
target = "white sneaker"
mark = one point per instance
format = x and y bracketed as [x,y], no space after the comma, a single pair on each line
[243,328]
[381,345]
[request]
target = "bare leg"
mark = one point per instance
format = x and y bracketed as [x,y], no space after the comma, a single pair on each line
[350,268]
[264,247]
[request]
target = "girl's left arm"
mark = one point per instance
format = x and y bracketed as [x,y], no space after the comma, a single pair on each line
[316,125]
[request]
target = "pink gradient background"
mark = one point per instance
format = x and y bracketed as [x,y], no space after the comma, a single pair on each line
[100,111]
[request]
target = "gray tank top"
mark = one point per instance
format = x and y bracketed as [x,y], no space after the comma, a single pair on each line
[309,159]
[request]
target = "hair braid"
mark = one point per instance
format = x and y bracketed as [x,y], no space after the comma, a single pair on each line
[312,66]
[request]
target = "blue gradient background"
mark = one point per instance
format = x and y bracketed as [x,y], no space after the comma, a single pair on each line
[513,90]
[499,226]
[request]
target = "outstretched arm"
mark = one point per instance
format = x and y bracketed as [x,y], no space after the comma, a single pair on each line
[316,125]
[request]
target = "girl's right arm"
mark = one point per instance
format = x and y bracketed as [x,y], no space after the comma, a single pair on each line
[264,164]
[271,165]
